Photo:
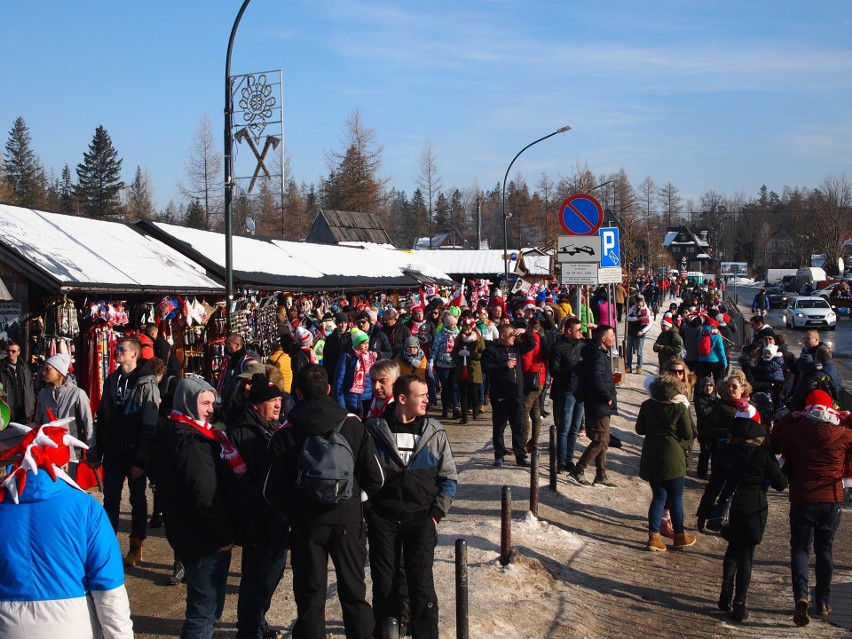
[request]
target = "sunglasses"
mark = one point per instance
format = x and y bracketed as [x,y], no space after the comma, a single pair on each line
[119,350]
[678,371]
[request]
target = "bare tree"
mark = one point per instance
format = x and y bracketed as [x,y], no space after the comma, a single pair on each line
[833,217]
[140,197]
[430,184]
[670,203]
[204,171]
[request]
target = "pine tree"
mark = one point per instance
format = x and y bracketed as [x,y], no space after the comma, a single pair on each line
[23,173]
[139,200]
[67,203]
[196,217]
[99,178]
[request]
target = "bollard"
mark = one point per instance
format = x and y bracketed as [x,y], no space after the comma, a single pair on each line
[553,460]
[462,629]
[506,526]
[391,628]
[534,483]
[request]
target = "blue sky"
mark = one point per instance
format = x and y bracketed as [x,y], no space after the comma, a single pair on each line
[722,96]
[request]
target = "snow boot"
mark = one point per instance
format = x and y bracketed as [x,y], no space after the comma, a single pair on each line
[655,542]
[683,540]
[134,555]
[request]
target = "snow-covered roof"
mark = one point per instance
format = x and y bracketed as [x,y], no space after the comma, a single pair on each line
[481,262]
[292,266]
[71,253]
[669,238]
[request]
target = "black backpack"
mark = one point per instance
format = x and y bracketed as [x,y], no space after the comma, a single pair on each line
[326,469]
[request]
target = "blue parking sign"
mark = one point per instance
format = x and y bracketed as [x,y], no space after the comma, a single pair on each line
[610,246]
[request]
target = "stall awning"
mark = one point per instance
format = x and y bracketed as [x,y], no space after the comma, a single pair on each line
[66,253]
[282,265]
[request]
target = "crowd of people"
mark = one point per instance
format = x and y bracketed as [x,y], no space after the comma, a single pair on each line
[326,446]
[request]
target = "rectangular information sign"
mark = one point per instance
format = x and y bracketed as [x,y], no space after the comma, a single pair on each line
[580,273]
[611,275]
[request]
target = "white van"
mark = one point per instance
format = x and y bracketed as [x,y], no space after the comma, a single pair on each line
[809,275]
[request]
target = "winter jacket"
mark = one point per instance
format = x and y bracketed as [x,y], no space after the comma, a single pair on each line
[232,366]
[717,349]
[336,344]
[749,509]
[665,423]
[769,370]
[396,334]
[690,340]
[18,385]
[342,385]
[504,383]
[379,343]
[427,483]
[600,386]
[281,360]
[124,432]
[413,366]
[606,313]
[68,400]
[814,380]
[710,426]
[534,360]
[474,359]
[319,416]
[566,363]
[638,321]
[251,436]
[441,353]
[816,451]
[61,573]
[670,345]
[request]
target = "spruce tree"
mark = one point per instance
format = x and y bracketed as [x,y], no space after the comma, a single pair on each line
[196,217]
[99,178]
[23,173]
[66,192]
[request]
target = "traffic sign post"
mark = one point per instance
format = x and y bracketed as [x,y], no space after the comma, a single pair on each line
[581,214]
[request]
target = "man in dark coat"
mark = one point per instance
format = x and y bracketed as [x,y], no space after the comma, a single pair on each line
[339,341]
[565,364]
[318,529]
[17,380]
[380,347]
[265,551]
[817,442]
[396,331]
[501,362]
[600,403]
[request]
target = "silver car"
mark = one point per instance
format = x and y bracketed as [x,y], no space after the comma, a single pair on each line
[810,312]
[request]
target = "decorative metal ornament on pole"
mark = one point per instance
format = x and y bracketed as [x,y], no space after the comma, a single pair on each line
[503,199]
[229,183]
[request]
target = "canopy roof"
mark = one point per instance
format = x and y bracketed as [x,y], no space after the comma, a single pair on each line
[293,266]
[483,262]
[66,253]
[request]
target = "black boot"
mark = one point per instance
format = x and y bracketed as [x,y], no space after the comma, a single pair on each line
[740,612]
[726,596]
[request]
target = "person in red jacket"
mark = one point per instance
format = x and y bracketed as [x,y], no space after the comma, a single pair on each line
[534,366]
[816,443]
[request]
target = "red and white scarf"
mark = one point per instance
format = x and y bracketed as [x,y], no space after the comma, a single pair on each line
[229,452]
[363,363]
[376,409]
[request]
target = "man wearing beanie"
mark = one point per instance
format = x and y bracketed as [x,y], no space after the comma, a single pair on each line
[197,470]
[816,442]
[265,550]
[61,397]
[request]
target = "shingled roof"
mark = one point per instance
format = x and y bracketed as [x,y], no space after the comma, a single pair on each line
[333,227]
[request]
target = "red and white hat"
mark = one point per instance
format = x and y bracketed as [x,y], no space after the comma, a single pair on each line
[820,408]
[303,336]
[667,321]
[748,412]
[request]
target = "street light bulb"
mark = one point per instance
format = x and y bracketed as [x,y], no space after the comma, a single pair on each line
[565,128]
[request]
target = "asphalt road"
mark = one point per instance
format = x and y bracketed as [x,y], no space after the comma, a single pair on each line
[840,339]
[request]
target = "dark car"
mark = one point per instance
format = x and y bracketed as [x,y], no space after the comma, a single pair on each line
[777,297]
[788,283]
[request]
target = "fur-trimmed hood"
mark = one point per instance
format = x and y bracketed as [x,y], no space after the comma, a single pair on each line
[667,388]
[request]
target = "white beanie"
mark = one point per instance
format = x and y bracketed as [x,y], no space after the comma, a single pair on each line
[61,362]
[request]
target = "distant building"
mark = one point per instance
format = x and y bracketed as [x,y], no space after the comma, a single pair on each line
[690,249]
[336,227]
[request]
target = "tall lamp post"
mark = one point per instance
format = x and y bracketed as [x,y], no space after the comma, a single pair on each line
[507,216]
[229,183]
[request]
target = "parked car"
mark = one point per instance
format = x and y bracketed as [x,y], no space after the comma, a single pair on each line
[789,283]
[777,296]
[810,312]
[826,292]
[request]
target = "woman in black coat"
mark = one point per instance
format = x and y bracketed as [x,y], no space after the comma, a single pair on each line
[746,460]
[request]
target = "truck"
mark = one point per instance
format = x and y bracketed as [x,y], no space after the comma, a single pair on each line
[775,275]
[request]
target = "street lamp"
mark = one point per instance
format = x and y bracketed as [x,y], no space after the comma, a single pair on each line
[229,184]
[507,216]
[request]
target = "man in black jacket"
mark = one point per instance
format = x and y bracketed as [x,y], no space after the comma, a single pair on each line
[17,380]
[600,404]
[501,361]
[265,551]
[380,346]
[565,359]
[320,530]
[198,473]
[338,341]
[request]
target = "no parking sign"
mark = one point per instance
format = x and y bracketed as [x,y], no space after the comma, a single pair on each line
[581,214]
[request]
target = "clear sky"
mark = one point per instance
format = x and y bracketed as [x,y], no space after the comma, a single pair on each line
[722,96]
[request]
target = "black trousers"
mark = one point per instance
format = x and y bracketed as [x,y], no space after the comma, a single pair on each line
[310,547]
[511,410]
[415,538]
[736,569]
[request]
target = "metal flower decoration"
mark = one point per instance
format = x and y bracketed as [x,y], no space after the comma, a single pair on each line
[257,103]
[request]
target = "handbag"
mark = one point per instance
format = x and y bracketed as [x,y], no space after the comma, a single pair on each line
[532,382]
[720,513]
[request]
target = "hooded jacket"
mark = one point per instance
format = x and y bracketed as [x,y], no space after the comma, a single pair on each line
[427,483]
[319,416]
[816,451]
[565,363]
[198,492]
[599,383]
[68,400]
[665,423]
[124,432]
[67,580]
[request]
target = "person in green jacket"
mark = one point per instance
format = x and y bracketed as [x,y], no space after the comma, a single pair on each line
[669,344]
[665,423]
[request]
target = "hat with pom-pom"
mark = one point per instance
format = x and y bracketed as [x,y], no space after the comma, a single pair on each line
[820,408]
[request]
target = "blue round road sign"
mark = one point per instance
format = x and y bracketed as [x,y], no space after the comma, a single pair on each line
[581,214]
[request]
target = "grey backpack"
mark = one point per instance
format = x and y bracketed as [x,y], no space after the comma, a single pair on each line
[326,470]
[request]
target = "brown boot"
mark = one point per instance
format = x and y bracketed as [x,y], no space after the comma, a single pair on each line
[655,542]
[682,540]
[134,555]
